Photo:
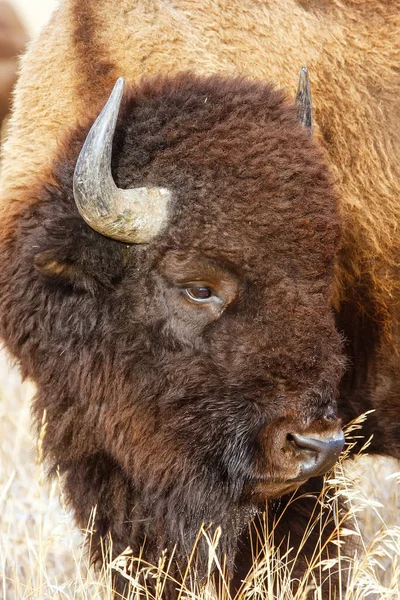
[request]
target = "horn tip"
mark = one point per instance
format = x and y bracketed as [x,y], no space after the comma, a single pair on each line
[119,84]
[304,78]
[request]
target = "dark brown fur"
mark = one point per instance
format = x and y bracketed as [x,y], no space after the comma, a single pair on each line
[159,412]
[93,69]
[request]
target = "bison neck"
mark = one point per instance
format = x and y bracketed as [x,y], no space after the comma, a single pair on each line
[372,380]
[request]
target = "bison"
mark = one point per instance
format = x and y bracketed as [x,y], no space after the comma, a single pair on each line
[199,290]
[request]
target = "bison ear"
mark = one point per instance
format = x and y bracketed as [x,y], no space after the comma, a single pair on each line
[62,270]
[70,254]
[87,270]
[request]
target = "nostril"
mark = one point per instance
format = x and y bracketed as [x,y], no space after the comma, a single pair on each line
[292,438]
[310,443]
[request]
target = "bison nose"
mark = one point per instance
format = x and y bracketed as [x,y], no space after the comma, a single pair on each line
[318,453]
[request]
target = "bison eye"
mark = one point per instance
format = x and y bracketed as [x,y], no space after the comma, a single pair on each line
[200,294]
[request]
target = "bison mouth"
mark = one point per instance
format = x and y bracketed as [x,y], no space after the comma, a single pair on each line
[258,490]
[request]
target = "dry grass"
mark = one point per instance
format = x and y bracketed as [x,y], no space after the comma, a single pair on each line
[42,554]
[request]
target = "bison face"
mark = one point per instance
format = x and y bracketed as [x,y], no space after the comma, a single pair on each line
[188,378]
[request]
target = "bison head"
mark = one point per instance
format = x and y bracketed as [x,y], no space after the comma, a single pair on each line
[189,371]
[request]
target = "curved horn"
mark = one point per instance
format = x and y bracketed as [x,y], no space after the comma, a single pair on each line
[304,101]
[133,215]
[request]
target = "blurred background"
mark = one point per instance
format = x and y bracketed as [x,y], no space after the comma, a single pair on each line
[34,13]
[20,20]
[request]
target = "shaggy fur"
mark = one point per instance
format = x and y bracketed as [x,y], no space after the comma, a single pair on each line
[351,49]
[88,45]
[162,413]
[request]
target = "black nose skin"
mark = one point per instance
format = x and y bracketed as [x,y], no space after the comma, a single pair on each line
[317,454]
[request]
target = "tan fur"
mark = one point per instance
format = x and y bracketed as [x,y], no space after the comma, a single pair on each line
[350,47]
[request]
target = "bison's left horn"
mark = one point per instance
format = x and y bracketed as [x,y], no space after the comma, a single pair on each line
[303,100]
[132,215]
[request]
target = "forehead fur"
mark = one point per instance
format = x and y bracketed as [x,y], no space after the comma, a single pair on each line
[247,182]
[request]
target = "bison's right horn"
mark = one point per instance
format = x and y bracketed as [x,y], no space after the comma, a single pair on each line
[304,101]
[132,215]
